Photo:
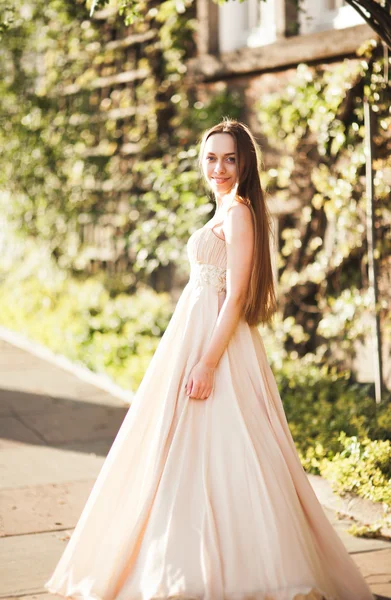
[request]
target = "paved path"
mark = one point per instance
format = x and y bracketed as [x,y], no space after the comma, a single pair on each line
[55,431]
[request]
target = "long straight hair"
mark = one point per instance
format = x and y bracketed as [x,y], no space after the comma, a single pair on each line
[261,301]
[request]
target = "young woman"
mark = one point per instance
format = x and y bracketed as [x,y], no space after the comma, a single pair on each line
[202,495]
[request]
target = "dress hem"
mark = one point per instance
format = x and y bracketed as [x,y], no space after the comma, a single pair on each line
[312,594]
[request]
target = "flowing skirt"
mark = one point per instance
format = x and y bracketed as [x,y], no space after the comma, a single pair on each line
[205,499]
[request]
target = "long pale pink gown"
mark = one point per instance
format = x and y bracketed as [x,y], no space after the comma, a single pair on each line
[205,499]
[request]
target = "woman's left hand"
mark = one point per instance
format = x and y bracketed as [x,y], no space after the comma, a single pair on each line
[200,381]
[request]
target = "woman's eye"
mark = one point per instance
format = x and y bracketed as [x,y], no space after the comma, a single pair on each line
[230,159]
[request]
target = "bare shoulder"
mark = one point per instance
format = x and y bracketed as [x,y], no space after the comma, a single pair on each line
[239,220]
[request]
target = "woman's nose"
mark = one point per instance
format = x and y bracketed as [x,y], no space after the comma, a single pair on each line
[219,168]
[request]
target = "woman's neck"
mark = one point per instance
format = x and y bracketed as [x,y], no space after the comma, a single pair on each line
[223,201]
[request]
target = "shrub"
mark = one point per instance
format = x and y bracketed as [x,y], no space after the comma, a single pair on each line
[362,467]
[339,431]
[115,336]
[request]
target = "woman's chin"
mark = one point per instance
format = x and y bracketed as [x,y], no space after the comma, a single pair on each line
[221,188]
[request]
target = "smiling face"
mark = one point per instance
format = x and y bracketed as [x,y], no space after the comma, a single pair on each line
[219,163]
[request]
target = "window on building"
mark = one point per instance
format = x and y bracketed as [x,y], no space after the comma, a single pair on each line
[246,24]
[321,15]
[253,23]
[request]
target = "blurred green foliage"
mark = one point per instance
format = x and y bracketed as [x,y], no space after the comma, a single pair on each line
[316,125]
[319,405]
[339,430]
[6,18]
[116,336]
[362,467]
[75,152]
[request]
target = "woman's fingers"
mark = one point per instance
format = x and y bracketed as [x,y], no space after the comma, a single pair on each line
[200,382]
[200,394]
[195,391]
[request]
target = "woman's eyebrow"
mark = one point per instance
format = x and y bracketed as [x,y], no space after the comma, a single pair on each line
[226,154]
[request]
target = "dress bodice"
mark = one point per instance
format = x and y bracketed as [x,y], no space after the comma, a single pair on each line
[208,258]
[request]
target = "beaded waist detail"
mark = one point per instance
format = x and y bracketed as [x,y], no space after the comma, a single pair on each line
[204,273]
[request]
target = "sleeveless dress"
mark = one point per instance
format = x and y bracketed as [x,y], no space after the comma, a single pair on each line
[205,499]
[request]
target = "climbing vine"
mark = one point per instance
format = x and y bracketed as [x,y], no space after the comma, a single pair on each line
[317,126]
[98,135]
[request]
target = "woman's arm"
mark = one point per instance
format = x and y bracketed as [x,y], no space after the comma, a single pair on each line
[239,235]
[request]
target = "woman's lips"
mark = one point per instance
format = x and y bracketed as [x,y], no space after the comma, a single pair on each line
[220,180]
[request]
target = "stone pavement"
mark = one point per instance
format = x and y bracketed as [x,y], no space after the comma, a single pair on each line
[55,431]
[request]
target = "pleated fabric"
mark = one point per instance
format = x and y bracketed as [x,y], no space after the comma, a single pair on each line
[205,500]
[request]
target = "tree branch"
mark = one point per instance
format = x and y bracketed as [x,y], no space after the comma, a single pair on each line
[378,16]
